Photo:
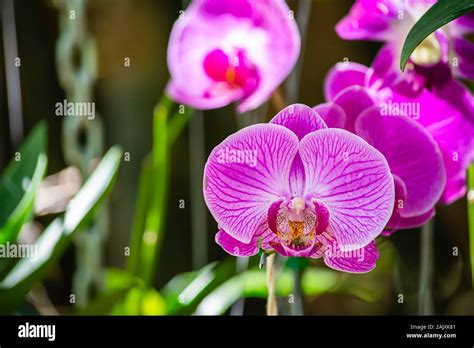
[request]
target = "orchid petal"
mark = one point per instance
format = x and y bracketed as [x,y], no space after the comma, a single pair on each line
[412,154]
[260,31]
[352,179]
[369,20]
[343,75]
[245,174]
[237,248]
[355,261]
[353,100]
[332,114]
[300,119]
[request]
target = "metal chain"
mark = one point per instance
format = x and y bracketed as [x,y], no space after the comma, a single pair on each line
[82,137]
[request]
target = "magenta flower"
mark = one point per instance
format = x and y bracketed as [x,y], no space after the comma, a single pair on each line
[391,20]
[408,148]
[223,51]
[301,189]
[427,136]
[446,111]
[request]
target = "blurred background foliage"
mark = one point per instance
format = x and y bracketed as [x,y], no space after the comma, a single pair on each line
[125,98]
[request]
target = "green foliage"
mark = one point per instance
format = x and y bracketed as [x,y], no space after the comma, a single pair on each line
[125,294]
[150,214]
[142,204]
[55,238]
[156,213]
[185,291]
[440,14]
[253,283]
[20,183]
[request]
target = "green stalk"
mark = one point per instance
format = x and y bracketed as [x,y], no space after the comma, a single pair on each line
[155,218]
[470,215]
[142,204]
[177,124]
[150,214]
[425,292]
[197,160]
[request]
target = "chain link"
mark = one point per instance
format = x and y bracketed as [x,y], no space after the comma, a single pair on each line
[76,61]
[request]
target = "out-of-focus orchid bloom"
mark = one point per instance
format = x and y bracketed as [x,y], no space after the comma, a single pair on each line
[391,20]
[445,113]
[224,51]
[301,189]
[407,146]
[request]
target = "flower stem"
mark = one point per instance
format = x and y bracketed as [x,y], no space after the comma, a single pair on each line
[166,131]
[272,308]
[278,100]
[470,215]
[241,266]
[425,293]
[297,307]
[197,159]
[141,208]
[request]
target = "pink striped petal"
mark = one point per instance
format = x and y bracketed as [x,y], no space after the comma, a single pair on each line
[245,174]
[352,179]
[237,248]
[300,119]
[354,261]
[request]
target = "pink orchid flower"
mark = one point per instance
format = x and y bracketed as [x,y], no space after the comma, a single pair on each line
[298,188]
[390,21]
[225,51]
[427,136]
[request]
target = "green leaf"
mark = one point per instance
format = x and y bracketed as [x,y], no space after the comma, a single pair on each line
[55,238]
[125,294]
[185,291]
[118,284]
[441,13]
[96,188]
[20,184]
[140,301]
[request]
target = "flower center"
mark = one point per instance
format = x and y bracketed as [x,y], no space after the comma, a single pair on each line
[297,222]
[428,52]
[233,69]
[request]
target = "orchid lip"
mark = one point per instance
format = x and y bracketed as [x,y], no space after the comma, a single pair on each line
[232,69]
[297,222]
